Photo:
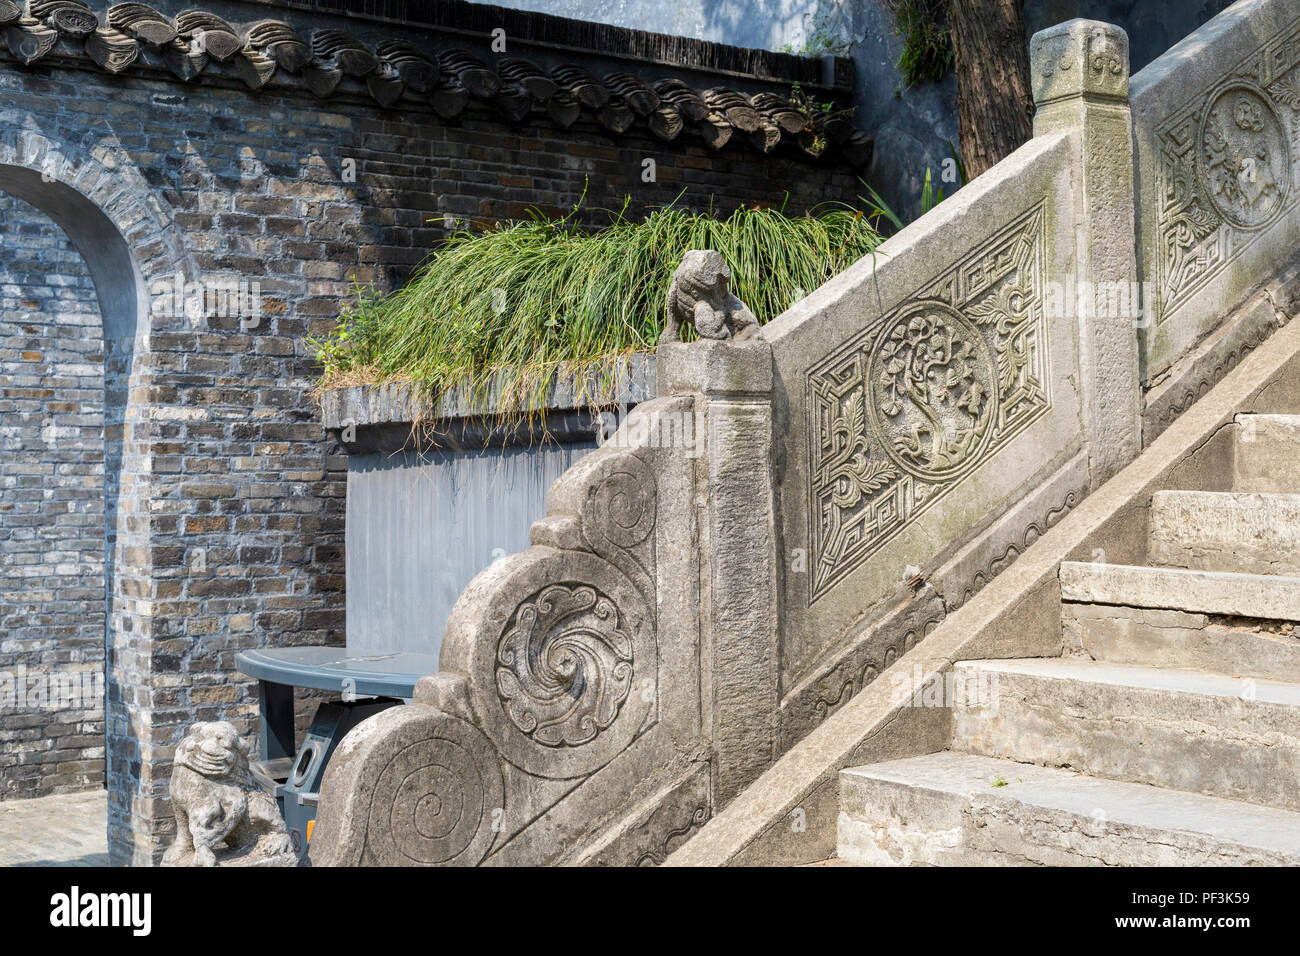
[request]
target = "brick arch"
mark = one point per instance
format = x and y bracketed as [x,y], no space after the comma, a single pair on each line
[126,234]
[130,244]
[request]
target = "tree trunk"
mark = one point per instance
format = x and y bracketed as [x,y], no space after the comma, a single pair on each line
[995,106]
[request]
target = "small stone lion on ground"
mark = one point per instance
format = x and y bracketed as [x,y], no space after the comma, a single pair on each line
[700,295]
[221,814]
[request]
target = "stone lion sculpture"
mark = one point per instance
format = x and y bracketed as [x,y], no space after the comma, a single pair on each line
[700,295]
[222,816]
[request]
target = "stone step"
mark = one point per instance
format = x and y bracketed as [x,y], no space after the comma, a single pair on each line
[1266,596]
[1237,738]
[1267,453]
[957,809]
[1156,637]
[1252,532]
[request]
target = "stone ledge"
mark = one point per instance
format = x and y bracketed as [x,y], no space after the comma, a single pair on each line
[1045,815]
[628,380]
[1268,596]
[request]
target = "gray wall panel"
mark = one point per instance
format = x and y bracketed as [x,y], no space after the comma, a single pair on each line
[420,526]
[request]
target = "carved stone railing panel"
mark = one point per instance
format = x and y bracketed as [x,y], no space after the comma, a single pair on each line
[1217,132]
[947,399]
[952,388]
[568,681]
[902,412]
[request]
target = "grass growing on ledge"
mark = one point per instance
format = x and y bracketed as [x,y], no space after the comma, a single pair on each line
[502,310]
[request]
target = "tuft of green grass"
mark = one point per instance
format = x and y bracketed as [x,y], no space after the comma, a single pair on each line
[927,43]
[499,312]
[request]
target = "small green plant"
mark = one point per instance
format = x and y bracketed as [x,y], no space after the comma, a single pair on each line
[957,162]
[879,210]
[818,112]
[927,44]
[500,311]
[930,197]
[998,782]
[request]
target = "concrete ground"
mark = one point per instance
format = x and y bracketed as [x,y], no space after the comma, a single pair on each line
[63,830]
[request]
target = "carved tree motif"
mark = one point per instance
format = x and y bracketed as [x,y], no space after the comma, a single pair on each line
[1244,157]
[899,414]
[933,379]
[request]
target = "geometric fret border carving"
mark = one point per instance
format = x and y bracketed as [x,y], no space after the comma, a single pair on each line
[1227,168]
[905,410]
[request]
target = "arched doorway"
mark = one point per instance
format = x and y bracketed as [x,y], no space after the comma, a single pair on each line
[126,244]
[52,504]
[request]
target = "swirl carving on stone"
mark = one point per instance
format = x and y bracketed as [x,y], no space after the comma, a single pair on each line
[618,517]
[561,660]
[564,666]
[435,798]
[622,504]
[410,786]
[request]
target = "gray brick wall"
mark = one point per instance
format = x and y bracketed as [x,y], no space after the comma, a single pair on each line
[51,511]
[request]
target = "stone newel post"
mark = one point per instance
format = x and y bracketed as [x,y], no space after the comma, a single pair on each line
[738,591]
[1080,77]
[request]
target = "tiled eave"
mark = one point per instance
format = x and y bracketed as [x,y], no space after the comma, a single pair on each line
[444,73]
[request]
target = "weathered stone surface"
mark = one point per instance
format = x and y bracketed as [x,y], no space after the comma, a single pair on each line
[1019,607]
[1209,592]
[411,786]
[1237,738]
[1172,392]
[571,669]
[1267,453]
[862,496]
[954,809]
[222,817]
[1253,532]
[700,297]
[1211,120]
[1154,637]
[740,623]
[1080,74]
[720,369]
[628,380]
[230,528]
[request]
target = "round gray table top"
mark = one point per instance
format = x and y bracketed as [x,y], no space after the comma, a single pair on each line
[335,668]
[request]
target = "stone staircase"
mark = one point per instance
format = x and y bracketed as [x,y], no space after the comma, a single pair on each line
[1168,734]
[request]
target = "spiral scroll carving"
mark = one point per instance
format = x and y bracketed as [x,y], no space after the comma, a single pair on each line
[435,798]
[618,517]
[565,665]
[622,504]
